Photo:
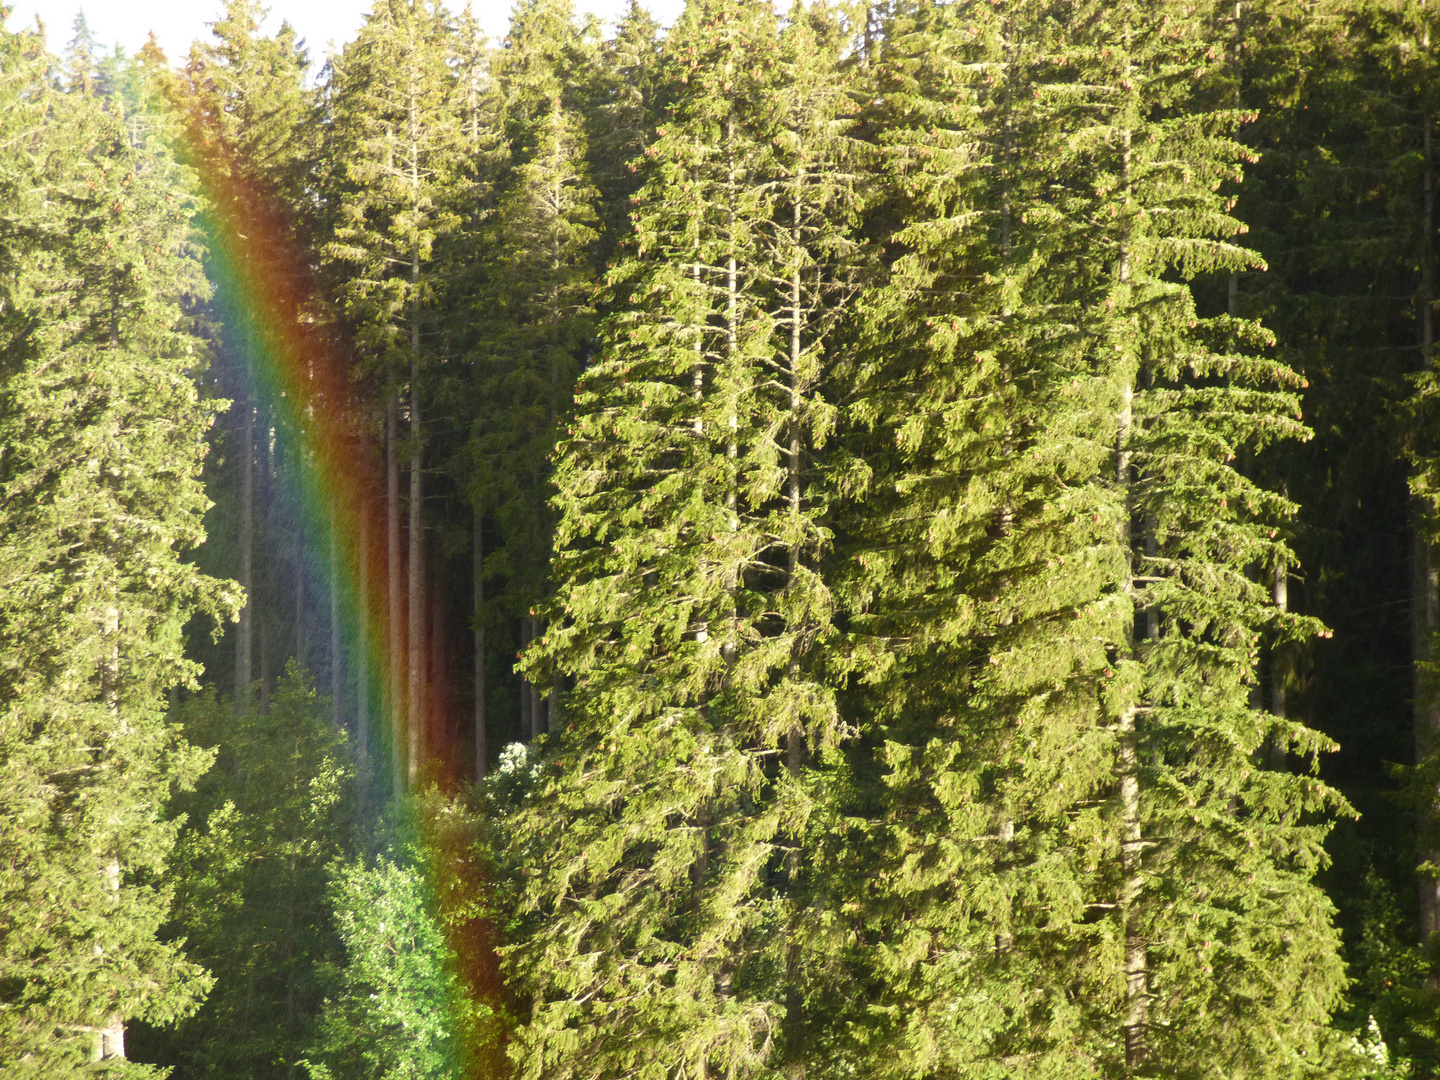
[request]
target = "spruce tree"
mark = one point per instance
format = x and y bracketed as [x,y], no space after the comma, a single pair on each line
[1058,610]
[396,142]
[102,432]
[690,613]
[623,109]
[533,319]
[244,99]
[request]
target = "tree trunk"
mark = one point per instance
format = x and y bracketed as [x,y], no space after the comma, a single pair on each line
[482,747]
[301,645]
[266,675]
[527,724]
[395,594]
[438,684]
[1131,847]
[362,643]
[415,666]
[537,699]
[732,361]
[265,620]
[245,632]
[110,1040]
[337,713]
[795,740]
[1424,589]
[1137,978]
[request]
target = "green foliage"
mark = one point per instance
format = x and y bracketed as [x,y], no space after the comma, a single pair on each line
[410,1001]
[1083,869]
[690,614]
[390,1015]
[900,520]
[101,437]
[394,147]
[252,869]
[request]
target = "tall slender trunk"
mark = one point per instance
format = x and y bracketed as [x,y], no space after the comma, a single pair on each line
[1137,976]
[1424,599]
[110,1039]
[438,684]
[416,659]
[482,746]
[1131,846]
[530,724]
[795,740]
[732,420]
[362,643]
[301,644]
[266,675]
[245,632]
[395,593]
[538,725]
[526,725]
[337,712]
[269,586]
[697,375]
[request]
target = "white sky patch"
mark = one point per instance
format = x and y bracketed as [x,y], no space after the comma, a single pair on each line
[320,22]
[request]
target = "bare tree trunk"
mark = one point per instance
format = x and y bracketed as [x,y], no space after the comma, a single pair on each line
[395,595]
[110,1040]
[438,685]
[795,740]
[301,645]
[537,699]
[265,618]
[527,712]
[732,294]
[1137,1004]
[266,675]
[1424,590]
[362,642]
[245,632]
[337,686]
[482,747]
[1137,976]
[415,666]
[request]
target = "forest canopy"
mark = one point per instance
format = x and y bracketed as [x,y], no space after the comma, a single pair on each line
[893,540]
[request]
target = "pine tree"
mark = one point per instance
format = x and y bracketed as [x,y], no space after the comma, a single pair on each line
[245,102]
[690,612]
[622,115]
[396,142]
[102,432]
[533,324]
[1059,617]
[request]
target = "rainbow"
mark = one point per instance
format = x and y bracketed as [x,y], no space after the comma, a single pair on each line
[300,369]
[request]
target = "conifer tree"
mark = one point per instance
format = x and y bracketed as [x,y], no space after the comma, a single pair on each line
[534,324]
[690,611]
[1058,615]
[545,60]
[102,432]
[396,143]
[527,323]
[247,107]
[1336,206]
[623,109]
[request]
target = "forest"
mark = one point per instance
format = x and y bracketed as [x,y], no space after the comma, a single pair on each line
[894,540]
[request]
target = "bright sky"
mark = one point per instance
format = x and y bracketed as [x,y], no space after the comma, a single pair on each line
[178,22]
